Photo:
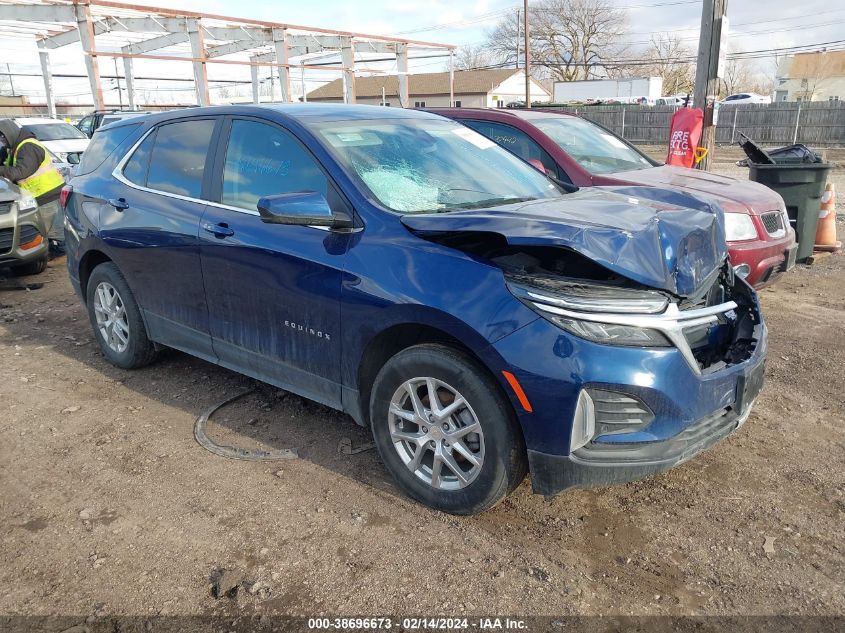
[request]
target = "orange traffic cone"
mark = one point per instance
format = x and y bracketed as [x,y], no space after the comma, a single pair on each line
[826,230]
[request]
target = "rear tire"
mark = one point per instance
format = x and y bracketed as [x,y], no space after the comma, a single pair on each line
[460,451]
[116,319]
[31,268]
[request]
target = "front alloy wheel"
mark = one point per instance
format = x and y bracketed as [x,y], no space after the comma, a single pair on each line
[436,433]
[445,430]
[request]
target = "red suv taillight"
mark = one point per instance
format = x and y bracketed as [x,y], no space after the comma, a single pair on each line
[64,196]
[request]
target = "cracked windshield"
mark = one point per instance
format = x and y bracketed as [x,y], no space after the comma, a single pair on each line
[433,166]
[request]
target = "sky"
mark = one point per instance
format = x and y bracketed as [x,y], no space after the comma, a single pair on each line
[783,23]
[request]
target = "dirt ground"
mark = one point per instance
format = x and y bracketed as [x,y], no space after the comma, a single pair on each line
[110,507]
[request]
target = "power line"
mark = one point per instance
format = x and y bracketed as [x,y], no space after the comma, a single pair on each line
[615,63]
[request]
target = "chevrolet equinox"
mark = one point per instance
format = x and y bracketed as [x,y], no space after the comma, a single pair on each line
[406,270]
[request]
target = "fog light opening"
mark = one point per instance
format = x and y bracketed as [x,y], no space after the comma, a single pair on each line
[742,270]
[583,422]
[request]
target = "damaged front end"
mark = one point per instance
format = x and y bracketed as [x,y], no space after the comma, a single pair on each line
[649,349]
[631,266]
[716,328]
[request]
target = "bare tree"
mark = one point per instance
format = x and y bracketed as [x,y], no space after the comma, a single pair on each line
[736,76]
[570,39]
[473,56]
[670,59]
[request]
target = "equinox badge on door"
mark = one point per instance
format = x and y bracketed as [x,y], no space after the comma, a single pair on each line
[308,330]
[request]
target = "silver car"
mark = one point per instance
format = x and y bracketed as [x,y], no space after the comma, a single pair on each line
[23,231]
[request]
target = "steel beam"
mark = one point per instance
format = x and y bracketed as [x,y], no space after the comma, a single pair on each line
[402,71]
[38,13]
[232,47]
[86,37]
[46,73]
[280,43]
[156,43]
[198,53]
[225,33]
[347,58]
[451,79]
[145,25]
[254,73]
[60,39]
[129,72]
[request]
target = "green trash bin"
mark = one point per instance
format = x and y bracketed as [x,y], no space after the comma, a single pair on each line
[801,185]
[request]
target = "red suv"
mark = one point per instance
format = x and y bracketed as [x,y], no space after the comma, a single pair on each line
[573,150]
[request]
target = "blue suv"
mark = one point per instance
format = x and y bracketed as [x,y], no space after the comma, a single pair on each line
[406,270]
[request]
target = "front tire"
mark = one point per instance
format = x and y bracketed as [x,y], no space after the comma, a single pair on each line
[445,431]
[35,267]
[116,319]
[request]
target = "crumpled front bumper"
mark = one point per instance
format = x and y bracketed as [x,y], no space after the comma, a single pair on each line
[688,409]
[597,465]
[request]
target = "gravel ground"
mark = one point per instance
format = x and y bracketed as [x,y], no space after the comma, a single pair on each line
[110,507]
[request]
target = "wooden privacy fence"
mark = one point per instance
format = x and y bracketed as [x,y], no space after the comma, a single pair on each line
[820,124]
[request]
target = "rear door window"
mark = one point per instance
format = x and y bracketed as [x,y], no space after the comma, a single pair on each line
[263,160]
[177,162]
[102,145]
[138,165]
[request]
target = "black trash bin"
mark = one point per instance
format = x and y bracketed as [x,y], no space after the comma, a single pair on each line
[801,185]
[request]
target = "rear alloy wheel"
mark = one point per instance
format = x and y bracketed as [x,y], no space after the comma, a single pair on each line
[445,431]
[110,313]
[116,319]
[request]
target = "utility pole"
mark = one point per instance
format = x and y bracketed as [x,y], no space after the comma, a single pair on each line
[527,48]
[518,36]
[708,69]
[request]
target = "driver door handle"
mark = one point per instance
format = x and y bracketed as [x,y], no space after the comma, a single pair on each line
[218,230]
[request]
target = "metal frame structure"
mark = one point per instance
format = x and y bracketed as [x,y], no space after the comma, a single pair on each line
[125,31]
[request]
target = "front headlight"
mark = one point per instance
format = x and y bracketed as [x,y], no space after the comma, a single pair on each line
[558,305]
[589,297]
[26,203]
[612,333]
[739,226]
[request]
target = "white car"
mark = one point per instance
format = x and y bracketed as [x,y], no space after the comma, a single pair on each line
[674,100]
[64,142]
[745,97]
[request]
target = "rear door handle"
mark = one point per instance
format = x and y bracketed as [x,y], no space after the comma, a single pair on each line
[218,230]
[119,204]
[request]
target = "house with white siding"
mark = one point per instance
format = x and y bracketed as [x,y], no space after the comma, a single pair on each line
[473,88]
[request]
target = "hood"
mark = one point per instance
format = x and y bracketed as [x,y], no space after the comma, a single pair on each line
[11,130]
[671,241]
[751,195]
[8,191]
[67,145]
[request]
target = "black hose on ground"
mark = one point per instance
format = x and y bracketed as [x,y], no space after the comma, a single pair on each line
[232,452]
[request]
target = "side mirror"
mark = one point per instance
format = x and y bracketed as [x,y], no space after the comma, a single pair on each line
[73,159]
[301,207]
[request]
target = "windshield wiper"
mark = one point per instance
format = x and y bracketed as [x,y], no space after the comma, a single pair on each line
[490,202]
